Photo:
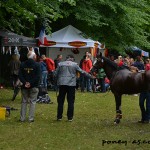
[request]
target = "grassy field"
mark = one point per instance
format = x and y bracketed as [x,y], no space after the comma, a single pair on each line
[91,129]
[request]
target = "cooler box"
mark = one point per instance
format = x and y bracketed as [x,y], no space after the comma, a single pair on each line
[2,113]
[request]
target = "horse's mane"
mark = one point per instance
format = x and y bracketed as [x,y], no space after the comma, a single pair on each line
[111,63]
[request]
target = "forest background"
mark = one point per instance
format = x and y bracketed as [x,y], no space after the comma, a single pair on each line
[118,24]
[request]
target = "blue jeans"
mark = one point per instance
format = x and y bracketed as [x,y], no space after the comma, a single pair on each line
[85,83]
[145,109]
[106,86]
[44,79]
[102,84]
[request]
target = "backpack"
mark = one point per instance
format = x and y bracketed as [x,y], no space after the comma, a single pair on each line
[43,96]
[43,99]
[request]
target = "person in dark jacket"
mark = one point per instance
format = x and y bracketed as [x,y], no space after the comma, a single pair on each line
[14,66]
[139,63]
[29,75]
[66,80]
[58,60]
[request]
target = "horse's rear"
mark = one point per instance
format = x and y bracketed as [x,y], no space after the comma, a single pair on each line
[147,75]
[127,82]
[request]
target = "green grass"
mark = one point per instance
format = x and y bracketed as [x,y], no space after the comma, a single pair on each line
[93,123]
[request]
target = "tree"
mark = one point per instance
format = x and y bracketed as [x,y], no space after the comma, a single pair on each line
[118,24]
[25,16]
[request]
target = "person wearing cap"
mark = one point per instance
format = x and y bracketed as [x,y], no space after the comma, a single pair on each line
[65,74]
[29,75]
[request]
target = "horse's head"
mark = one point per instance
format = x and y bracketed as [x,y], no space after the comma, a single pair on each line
[109,66]
[98,63]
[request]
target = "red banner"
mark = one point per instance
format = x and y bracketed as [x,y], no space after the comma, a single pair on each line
[77,43]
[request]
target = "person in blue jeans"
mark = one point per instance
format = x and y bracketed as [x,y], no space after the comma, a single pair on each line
[144,96]
[44,74]
[145,109]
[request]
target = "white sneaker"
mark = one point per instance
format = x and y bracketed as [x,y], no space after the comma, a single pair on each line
[70,120]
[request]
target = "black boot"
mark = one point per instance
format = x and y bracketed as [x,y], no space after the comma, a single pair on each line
[16,91]
[14,96]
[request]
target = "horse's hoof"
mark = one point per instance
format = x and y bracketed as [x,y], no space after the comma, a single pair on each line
[117,121]
[120,116]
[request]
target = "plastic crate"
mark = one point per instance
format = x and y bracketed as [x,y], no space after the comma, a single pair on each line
[2,113]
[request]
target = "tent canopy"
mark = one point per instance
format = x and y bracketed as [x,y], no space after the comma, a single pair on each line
[11,39]
[140,51]
[69,37]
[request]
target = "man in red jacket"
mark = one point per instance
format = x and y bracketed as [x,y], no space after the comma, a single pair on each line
[49,62]
[50,68]
[86,66]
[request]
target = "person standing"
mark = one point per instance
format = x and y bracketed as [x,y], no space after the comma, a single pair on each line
[29,75]
[66,80]
[58,60]
[86,66]
[120,61]
[49,62]
[50,68]
[14,66]
[139,63]
[101,79]
[145,96]
[44,74]
[147,64]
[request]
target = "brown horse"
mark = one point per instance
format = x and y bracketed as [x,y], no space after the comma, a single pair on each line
[122,81]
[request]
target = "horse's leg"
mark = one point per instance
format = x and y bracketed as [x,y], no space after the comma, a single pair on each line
[118,108]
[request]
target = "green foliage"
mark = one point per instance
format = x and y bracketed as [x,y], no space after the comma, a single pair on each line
[118,24]
[25,16]
[71,2]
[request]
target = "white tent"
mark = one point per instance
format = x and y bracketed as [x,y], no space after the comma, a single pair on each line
[68,39]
